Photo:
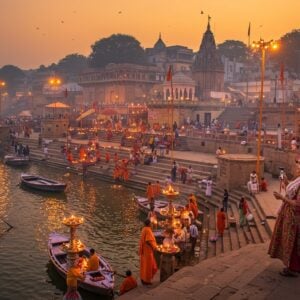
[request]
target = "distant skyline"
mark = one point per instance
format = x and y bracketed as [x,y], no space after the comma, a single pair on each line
[36,32]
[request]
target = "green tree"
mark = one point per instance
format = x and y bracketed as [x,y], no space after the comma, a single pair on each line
[118,48]
[13,76]
[72,64]
[288,52]
[233,50]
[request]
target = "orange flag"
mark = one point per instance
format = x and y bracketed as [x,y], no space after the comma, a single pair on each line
[169,74]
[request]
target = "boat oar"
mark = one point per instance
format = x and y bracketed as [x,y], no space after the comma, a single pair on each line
[9,225]
[115,272]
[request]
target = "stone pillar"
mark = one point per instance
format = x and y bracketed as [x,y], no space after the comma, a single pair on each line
[167,266]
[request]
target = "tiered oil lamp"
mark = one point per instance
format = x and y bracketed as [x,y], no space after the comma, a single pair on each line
[75,246]
[171,212]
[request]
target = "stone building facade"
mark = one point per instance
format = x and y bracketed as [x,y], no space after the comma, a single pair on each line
[119,84]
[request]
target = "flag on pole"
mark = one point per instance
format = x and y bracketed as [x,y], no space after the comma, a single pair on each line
[249,29]
[169,74]
[281,77]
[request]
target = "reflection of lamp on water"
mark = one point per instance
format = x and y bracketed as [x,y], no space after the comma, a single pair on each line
[75,245]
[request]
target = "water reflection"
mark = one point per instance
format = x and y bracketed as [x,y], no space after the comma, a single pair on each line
[111,227]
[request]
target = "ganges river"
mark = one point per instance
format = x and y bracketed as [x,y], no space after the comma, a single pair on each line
[112,226]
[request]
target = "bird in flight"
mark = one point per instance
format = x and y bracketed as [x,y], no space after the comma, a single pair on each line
[202,12]
[62,21]
[119,12]
[37,28]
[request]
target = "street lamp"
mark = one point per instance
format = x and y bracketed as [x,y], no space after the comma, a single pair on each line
[54,81]
[262,46]
[2,86]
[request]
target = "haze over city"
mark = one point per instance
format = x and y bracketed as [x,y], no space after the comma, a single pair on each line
[40,32]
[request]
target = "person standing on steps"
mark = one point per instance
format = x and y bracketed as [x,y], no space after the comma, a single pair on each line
[243,210]
[225,200]
[148,245]
[221,220]
[285,241]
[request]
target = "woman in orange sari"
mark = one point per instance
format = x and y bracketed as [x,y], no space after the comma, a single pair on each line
[285,242]
[221,218]
[148,245]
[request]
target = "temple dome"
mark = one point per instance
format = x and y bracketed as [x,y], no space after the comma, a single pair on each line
[159,45]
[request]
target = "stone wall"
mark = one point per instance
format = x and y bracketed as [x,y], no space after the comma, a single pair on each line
[234,170]
[273,158]
[54,128]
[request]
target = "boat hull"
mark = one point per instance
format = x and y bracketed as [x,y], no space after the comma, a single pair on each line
[42,184]
[104,287]
[16,161]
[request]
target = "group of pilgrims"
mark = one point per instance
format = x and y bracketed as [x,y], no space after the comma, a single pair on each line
[184,236]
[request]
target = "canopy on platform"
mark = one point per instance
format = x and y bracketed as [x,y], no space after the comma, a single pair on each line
[57,105]
[25,113]
[85,114]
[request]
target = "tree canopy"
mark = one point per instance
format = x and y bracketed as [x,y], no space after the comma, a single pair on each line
[118,48]
[12,75]
[72,63]
[288,52]
[233,49]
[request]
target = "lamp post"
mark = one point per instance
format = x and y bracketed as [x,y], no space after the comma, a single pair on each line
[2,86]
[261,46]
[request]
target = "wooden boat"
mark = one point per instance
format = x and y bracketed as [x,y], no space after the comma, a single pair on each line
[42,183]
[160,207]
[13,160]
[58,256]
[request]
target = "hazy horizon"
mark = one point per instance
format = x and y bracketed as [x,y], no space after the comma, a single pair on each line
[36,32]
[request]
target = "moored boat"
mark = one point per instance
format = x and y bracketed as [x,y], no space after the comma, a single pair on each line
[13,160]
[100,282]
[42,183]
[160,207]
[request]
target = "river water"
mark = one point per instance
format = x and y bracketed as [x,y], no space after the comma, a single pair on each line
[112,226]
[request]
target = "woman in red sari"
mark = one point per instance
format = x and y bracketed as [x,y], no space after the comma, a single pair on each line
[221,220]
[285,242]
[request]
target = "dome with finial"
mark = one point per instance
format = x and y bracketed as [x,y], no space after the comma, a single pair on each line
[159,45]
[207,58]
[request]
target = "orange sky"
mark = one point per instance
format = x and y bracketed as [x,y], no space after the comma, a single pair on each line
[35,32]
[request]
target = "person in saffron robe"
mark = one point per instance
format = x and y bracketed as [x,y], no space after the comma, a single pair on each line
[150,191]
[128,283]
[98,155]
[93,262]
[107,157]
[116,158]
[148,245]
[193,208]
[73,274]
[243,210]
[285,241]
[221,218]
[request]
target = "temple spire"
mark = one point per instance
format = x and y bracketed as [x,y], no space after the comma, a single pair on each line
[208,23]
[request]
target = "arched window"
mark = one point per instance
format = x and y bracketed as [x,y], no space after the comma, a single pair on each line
[185,94]
[176,94]
[191,94]
[167,94]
